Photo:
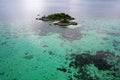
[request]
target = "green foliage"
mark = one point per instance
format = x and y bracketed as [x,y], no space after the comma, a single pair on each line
[59,16]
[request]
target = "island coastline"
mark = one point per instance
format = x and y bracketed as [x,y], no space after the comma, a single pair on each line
[60,19]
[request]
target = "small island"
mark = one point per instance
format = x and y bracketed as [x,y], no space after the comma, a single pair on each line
[60,19]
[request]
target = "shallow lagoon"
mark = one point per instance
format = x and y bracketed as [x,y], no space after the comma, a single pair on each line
[35,50]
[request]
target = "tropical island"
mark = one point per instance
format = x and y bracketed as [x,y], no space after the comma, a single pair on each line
[60,19]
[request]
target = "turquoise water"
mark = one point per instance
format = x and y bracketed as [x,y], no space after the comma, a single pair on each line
[35,50]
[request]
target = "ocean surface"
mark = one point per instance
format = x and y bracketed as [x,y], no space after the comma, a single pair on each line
[37,50]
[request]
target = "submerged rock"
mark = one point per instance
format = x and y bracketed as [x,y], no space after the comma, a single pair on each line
[51,53]
[45,46]
[14,79]
[28,57]
[61,69]
[2,73]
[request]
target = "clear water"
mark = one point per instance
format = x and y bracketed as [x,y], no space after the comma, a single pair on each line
[35,50]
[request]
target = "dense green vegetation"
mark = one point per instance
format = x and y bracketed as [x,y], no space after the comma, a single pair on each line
[59,16]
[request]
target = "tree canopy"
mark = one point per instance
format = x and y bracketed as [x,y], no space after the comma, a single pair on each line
[59,16]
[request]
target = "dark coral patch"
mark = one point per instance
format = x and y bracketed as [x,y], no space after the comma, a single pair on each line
[102,60]
[14,79]
[105,38]
[116,45]
[113,34]
[45,46]
[99,60]
[62,69]
[28,57]
[3,43]
[51,53]
[2,73]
